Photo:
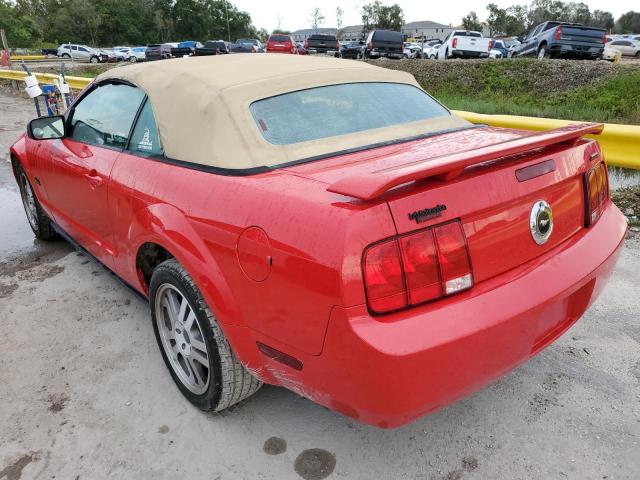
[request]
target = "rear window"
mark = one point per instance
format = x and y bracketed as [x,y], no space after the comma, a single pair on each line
[279,38]
[388,36]
[322,37]
[341,109]
[468,34]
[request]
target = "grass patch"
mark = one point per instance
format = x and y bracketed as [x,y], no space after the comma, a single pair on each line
[612,99]
[566,89]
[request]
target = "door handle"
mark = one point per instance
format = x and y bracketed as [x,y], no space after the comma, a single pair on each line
[95,180]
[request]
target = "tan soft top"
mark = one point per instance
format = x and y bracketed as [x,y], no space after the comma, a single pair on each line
[201,105]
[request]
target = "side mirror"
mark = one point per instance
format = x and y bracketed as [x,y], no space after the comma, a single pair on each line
[46,128]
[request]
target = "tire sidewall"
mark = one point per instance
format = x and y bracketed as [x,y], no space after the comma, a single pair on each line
[170,272]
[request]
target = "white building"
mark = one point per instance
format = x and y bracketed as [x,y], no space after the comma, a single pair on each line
[426,30]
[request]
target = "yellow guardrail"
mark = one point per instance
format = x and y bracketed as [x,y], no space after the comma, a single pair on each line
[620,143]
[77,83]
[18,58]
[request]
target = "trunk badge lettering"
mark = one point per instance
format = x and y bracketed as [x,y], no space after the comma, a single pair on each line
[427,214]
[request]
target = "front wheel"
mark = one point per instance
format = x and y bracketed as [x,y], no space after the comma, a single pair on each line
[94,59]
[133,59]
[192,344]
[38,220]
[66,55]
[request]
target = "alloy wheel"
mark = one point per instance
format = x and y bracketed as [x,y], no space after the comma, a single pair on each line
[29,201]
[182,338]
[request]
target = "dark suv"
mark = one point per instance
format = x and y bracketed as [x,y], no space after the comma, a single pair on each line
[384,43]
[322,44]
[158,52]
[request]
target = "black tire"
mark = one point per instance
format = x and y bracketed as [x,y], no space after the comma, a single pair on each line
[39,221]
[66,55]
[638,54]
[543,52]
[94,60]
[133,59]
[229,382]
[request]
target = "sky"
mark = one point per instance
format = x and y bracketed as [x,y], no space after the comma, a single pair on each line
[294,15]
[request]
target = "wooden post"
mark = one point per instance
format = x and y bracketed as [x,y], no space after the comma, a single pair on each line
[3,37]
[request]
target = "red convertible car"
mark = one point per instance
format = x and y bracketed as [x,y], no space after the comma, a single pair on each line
[385,261]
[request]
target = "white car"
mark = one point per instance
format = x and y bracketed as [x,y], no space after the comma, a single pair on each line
[79,52]
[611,54]
[430,49]
[464,44]
[411,50]
[133,54]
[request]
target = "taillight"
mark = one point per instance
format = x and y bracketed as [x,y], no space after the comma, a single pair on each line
[605,39]
[306,44]
[370,45]
[490,44]
[337,45]
[558,34]
[596,188]
[454,43]
[415,268]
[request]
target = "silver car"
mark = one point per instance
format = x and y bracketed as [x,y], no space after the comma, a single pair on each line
[626,47]
[79,52]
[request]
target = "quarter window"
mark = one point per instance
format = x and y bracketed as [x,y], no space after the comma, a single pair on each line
[104,117]
[145,139]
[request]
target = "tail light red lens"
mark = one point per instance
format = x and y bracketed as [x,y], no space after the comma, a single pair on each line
[337,45]
[384,277]
[306,44]
[558,35]
[596,187]
[490,44]
[369,45]
[416,268]
[454,43]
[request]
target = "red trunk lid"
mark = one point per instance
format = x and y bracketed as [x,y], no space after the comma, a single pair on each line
[450,179]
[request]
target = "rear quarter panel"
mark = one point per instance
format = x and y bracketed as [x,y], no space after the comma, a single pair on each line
[316,241]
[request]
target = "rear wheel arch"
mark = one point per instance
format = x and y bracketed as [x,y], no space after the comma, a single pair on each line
[148,256]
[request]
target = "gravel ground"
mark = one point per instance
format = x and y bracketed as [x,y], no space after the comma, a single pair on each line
[84,393]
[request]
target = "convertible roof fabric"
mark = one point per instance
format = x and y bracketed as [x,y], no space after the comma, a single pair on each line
[201,106]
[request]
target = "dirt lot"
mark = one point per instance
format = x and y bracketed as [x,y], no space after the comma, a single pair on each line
[84,393]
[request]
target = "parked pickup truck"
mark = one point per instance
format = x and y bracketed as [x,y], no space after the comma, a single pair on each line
[561,39]
[464,44]
[185,48]
[326,44]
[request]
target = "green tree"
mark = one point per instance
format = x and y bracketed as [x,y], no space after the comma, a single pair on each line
[602,19]
[21,30]
[628,23]
[472,22]
[376,15]
[339,22]
[316,17]
[391,17]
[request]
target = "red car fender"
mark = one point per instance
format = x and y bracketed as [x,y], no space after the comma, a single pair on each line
[168,227]
[19,151]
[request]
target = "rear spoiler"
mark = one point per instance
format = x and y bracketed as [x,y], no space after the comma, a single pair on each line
[447,167]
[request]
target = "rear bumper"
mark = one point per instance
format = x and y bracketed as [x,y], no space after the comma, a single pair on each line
[468,54]
[576,51]
[390,370]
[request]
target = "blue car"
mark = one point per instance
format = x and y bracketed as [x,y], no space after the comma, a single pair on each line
[501,47]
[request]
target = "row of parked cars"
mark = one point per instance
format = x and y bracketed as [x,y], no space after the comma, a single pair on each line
[152,52]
